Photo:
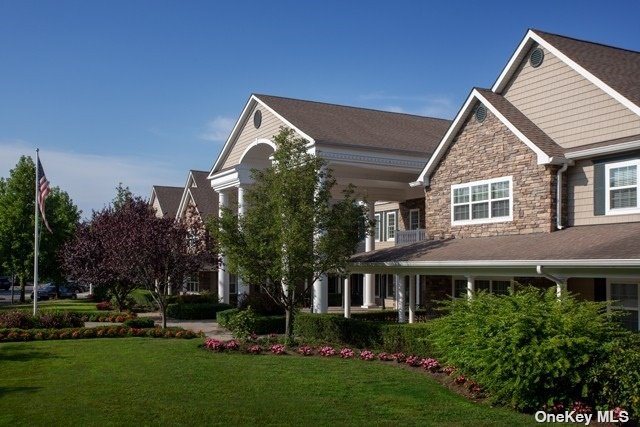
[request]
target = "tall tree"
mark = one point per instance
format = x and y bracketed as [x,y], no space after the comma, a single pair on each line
[291,233]
[17,218]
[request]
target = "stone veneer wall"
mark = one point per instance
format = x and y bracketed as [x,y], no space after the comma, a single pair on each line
[405,207]
[484,151]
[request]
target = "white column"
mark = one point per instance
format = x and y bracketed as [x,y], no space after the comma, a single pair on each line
[560,289]
[400,292]
[369,279]
[346,289]
[412,298]
[418,290]
[321,294]
[242,288]
[223,274]
[471,286]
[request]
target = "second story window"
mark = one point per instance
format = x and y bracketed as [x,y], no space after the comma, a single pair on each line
[414,219]
[378,235]
[484,201]
[622,187]
[391,225]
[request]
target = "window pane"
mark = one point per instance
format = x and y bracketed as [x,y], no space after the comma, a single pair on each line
[620,177]
[414,220]
[391,225]
[499,208]
[501,287]
[482,285]
[460,212]
[500,190]
[461,195]
[625,294]
[460,288]
[630,321]
[479,192]
[378,227]
[480,210]
[625,198]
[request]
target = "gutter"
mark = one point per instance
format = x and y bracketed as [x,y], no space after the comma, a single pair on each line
[563,169]
[561,284]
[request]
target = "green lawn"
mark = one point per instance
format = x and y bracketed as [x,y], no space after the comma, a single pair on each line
[62,305]
[140,381]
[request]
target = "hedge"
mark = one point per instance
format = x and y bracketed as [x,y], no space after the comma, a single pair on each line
[193,299]
[390,316]
[140,322]
[13,334]
[263,324]
[391,337]
[188,311]
[222,317]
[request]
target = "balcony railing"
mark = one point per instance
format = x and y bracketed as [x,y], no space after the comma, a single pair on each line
[405,237]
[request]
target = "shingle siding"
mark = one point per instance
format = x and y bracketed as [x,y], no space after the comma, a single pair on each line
[565,105]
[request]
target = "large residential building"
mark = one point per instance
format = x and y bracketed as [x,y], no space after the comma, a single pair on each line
[535,181]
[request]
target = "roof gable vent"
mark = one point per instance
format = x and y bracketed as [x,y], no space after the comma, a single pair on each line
[480,113]
[536,57]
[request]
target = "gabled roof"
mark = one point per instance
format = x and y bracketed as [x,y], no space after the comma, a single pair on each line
[345,126]
[198,191]
[612,69]
[168,198]
[547,151]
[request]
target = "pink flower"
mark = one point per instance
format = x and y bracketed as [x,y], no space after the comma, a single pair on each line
[214,345]
[399,357]
[305,350]
[460,379]
[328,351]
[431,364]
[277,349]
[385,356]
[449,370]
[255,349]
[346,353]
[232,345]
[413,361]
[367,355]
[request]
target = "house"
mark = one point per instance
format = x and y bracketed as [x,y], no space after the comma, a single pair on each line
[535,181]
[378,151]
[195,198]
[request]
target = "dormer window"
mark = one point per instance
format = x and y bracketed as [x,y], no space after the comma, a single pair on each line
[480,202]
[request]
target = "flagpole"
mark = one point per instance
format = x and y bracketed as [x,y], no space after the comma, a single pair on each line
[35,240]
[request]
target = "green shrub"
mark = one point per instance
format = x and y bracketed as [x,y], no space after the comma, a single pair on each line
[242,324]
[406,338]
[204,298]
[188,311]
[262,304]
[390,316]
[527,349]
[223,317]
[335,329]
[142,301]
[269,325]
[140,322]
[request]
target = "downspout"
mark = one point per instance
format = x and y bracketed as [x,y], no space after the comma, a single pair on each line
[560,282]
[559,225]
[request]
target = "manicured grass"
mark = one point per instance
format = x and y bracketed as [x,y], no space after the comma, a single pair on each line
[61,305]
[139,381]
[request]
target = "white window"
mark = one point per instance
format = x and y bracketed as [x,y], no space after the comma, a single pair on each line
[391,225]
[193,285]
[414,219]
[378,227]
[622,187]
[459,289]
[485,201]
[624,296]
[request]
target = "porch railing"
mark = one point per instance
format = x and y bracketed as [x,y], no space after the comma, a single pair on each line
[404,237]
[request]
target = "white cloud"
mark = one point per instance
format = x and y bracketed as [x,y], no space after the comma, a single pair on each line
[91,179]
[218,129]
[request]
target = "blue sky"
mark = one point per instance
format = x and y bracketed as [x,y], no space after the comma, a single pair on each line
[143,91]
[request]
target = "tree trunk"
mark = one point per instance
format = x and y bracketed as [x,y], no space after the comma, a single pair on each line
[163,313]
[288,332]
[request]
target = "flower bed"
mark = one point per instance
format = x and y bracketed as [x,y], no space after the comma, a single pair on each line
[9,335]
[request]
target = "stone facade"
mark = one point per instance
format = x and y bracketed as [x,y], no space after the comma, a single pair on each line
[490,150]
[405,208]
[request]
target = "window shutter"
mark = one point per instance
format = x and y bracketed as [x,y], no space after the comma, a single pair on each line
[599,189]
[600,289]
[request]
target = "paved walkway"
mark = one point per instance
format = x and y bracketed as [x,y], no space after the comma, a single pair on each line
[210,328]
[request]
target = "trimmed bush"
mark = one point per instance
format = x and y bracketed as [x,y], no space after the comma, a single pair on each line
[262,304]
[269,325]
[406,338]
[58,320]
[188,311]
[193,299]
[17,319]
[390,316]
[104,306]
[9,335]
[223,317]
[334,329]
[527,349]
[140,322]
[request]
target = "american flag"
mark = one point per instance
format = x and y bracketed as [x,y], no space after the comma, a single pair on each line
[43,192]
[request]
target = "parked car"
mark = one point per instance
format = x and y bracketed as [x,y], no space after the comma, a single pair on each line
[5,283]
[53,290]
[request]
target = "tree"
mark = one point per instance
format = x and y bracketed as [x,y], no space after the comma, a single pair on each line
[290,233]
[17,217]
[128,247]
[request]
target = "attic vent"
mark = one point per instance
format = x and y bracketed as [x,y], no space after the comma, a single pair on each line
[481,113]
[257,118]
[536,57]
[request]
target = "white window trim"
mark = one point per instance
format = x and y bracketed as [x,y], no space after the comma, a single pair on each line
[417,212]
[395,225]
[483,220]
[379,223]
[610,306]
[621,211]
[490,279]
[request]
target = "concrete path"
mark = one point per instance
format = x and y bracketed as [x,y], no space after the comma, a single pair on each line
[210,328]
